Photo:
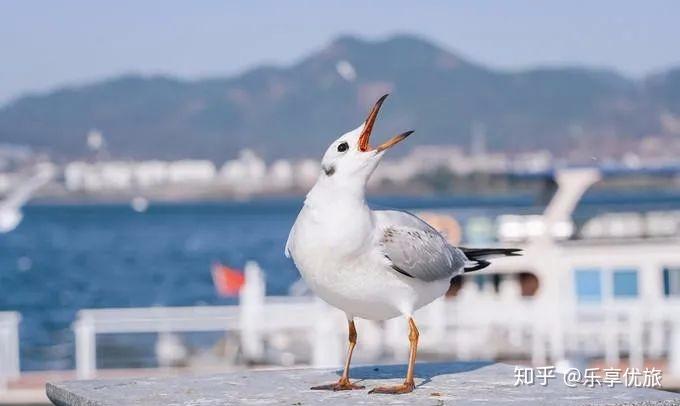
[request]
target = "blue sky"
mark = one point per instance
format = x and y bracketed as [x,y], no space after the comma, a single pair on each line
[47,44]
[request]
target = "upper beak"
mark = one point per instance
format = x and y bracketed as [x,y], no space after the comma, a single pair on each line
[368,127]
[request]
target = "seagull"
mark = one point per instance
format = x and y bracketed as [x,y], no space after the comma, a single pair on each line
[10,206]
[372,264]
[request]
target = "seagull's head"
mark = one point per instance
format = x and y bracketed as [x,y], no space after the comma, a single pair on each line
[351,158]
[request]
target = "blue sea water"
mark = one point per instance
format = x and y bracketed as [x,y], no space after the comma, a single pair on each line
[63,258]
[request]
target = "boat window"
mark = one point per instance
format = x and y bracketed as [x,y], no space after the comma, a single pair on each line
[625,283]
[671,281]
[588,285]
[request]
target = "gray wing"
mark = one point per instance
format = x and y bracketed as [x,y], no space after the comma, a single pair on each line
[415,249]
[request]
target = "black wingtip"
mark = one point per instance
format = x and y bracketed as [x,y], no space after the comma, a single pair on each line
[479,253]
[481,264]
[514,252]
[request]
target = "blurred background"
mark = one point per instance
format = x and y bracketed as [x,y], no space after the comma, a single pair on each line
[153,157]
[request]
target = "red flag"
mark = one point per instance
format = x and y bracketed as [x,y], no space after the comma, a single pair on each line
[228,281]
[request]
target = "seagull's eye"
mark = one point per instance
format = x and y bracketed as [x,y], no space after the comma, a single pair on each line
[343,147]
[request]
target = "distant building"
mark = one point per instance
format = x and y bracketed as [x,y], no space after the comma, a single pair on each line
[421,159]
[393,171]
[74,174]
[280,175]
[123,176]
[533,161]
[148,174]
[191,171]
[430,157]
[246,174]
[110,175]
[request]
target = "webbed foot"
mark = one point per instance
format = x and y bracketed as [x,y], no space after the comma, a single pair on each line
[342,384]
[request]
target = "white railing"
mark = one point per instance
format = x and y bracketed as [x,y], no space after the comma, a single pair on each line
[144,320]
[9,347]
[476,324]
[279,315]
[469,327]
[253,319]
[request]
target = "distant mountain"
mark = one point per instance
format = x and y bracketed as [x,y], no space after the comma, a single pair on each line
[297,110]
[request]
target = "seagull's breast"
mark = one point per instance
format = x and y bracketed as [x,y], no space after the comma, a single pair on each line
[343,264]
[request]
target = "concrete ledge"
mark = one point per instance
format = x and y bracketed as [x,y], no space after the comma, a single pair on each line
[471,383]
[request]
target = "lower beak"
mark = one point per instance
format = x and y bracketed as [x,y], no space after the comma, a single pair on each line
[365,136]
[393,141]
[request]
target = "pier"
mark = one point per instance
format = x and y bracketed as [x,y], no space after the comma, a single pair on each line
[464,383]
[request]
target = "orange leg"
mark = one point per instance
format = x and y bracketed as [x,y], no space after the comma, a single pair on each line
[408,384]
[344,383]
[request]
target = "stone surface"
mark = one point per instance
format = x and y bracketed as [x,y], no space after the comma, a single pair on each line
[471,383]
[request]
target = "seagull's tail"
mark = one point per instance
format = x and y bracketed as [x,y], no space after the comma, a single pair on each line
[480,256]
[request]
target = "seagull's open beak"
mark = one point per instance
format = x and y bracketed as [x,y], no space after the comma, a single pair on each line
[368,127]
[393,141]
